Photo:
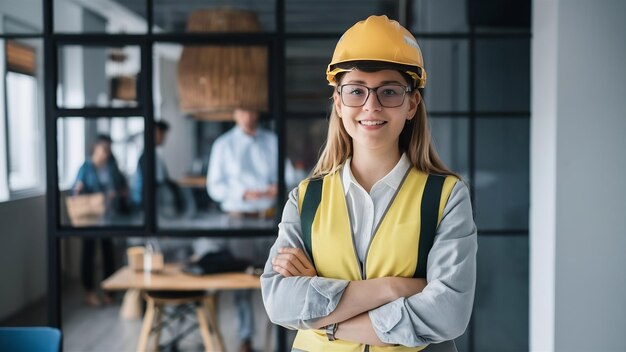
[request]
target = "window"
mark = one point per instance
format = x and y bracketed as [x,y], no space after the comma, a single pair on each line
[23,131]
[22,169]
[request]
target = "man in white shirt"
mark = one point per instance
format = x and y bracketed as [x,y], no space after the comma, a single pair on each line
[242,178]
[243,166]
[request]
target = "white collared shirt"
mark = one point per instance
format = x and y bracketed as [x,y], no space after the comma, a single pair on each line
[367,209]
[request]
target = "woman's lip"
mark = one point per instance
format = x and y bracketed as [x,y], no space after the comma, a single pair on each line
[373,122]
[372,127]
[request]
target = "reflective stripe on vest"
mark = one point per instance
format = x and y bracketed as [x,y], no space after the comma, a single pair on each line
[399,247]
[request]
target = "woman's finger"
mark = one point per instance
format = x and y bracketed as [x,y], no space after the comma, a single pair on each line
[299,253]
[283,271]
[303,258]
[294,260]
[287,265]
[291,263]
[307,266]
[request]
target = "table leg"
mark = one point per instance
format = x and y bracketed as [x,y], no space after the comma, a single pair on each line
[159,318]
[204,330]
[147,326]
[209,304]
[131,305]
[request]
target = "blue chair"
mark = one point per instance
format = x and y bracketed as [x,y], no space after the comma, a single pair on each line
[30,339]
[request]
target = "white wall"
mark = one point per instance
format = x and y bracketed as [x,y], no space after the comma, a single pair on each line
[578,197]
[178,150]
[22,253]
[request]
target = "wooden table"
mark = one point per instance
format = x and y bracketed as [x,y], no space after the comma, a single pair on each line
[173,279]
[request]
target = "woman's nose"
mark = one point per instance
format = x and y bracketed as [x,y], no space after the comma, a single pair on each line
[372,103]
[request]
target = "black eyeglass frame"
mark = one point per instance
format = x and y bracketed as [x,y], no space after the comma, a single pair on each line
[407,89]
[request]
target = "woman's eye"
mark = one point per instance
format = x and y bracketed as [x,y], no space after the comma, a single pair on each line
[389,92]
[356,91]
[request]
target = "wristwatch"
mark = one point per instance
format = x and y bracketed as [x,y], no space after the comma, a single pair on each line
[331,329]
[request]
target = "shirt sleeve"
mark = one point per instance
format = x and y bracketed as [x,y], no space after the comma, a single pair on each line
[442,310]
[296,302]
[80,177]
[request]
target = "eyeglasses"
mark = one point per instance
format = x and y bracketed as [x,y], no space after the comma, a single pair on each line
[389,96]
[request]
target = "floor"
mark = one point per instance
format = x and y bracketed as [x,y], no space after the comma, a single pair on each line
[87,328]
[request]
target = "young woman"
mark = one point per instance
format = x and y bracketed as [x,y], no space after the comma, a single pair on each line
[100,174]
[377,250]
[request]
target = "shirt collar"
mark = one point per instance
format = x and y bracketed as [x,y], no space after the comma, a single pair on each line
[240,133]
[393,179]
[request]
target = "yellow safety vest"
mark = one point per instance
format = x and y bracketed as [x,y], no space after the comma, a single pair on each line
[394,249]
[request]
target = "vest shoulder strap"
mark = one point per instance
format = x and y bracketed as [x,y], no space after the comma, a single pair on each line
[428,221]
[310,203]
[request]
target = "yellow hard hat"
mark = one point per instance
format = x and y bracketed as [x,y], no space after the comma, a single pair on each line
[378,40]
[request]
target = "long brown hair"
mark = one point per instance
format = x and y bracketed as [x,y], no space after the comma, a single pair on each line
[415,141]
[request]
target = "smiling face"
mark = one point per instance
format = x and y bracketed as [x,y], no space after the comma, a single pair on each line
[372,126]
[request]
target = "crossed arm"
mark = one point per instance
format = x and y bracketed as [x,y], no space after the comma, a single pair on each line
[395,310]
[357,300]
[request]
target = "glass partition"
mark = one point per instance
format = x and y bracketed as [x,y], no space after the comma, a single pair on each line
[102,278]
[444,16]
[98,161]
[305,141]
[502,71]
[217,149]
[21,17]
[307,89]
[100,16]
[97,76]
[450,136]
[336,16]
[502,294]
[207,16]
[502,161]
[447,68]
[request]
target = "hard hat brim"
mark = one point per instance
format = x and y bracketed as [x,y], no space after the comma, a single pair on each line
[418,74]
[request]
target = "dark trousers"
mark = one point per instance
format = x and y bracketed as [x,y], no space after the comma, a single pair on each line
[88,258]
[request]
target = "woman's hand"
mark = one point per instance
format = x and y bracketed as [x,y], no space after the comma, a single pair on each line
[293,262]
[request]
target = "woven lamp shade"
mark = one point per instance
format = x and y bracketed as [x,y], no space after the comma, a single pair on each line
[215,80]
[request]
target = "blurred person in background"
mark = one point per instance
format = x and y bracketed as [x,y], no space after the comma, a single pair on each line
[243,166]
[100,174]
[169,198]
[243,179]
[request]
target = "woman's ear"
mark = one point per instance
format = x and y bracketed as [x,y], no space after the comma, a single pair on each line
[337,103]
[414,100]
